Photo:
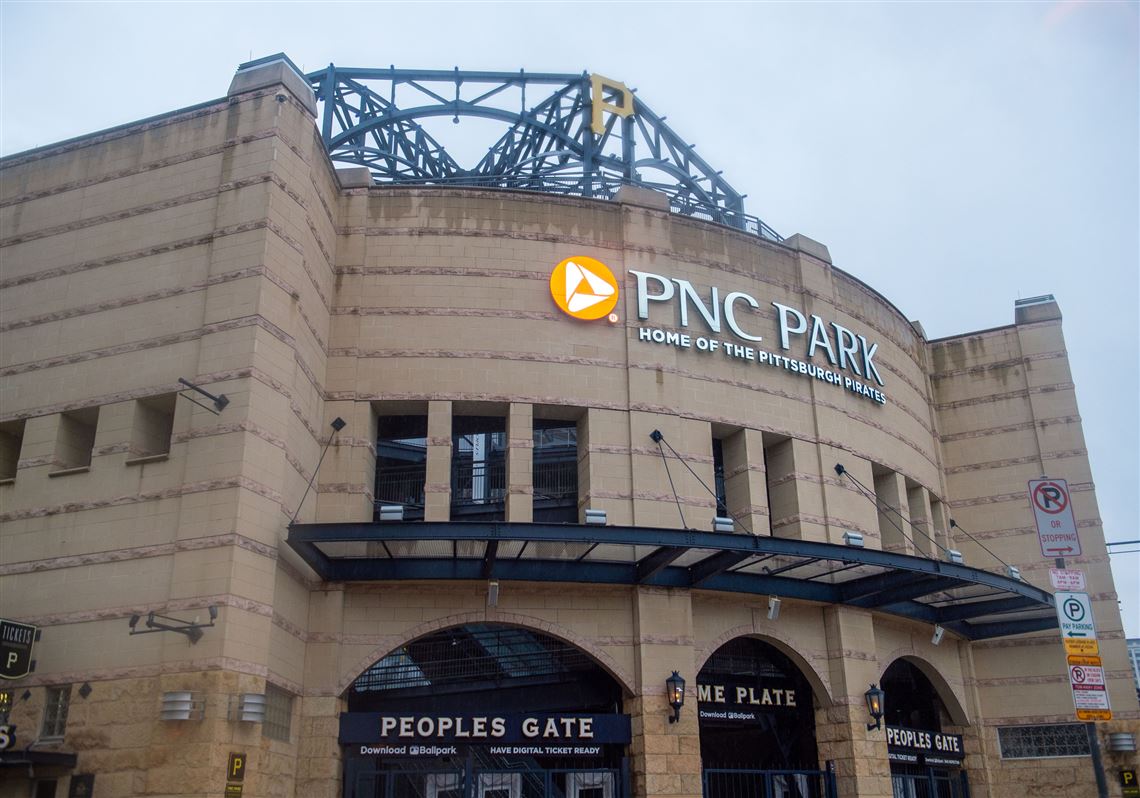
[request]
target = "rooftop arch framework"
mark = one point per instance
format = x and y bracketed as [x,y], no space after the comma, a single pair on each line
[578,134]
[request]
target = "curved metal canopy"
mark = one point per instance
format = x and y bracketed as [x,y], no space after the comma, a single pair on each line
[973,603]
[568,134]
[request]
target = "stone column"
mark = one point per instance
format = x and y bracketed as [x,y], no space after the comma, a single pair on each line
[319,761]
[859,754]
[520,463]
[437,485]
[890,491]
[797,504]
[605,480]
[745,481]
[921,529]
[666,757]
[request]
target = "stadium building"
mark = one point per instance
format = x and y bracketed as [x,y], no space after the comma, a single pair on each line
[329,468]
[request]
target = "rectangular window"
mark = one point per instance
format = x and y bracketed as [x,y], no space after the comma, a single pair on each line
[55,712]
[11,439]
[478,468]
[278,714]
[152,426]
[76,438]
[401,464]
[1043,742]
[555,471]
[718,478]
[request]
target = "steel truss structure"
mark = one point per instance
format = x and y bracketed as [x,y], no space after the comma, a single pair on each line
[585,136]
[971,602]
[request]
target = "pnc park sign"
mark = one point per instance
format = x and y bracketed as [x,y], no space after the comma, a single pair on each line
[716,324]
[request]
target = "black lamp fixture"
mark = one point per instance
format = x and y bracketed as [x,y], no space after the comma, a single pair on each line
[162,623]
[675,689]
[876,700]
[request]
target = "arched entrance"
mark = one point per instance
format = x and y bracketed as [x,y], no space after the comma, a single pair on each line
[926,762]
[485,711]
[757,722]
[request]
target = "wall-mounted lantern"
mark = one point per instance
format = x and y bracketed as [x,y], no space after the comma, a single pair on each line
[876,700]
[675,689]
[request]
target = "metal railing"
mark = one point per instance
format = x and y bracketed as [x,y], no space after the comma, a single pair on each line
[472,781]
[738,783]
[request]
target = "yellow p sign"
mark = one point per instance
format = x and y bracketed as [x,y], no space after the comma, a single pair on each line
[236,769]
[598,88]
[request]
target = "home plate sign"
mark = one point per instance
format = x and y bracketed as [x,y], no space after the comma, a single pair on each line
[1053,512]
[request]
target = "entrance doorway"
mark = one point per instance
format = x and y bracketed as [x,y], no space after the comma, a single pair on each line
[485,711]
[925,761]
[757,722]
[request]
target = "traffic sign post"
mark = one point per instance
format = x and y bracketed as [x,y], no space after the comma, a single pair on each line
[1053,512]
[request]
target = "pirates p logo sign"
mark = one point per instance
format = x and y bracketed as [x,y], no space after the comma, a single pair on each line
[584,288]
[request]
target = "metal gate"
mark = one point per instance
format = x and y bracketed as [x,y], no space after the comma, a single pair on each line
[737,783]
[469,781]
[932,783]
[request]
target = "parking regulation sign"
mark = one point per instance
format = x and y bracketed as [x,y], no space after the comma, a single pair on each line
[1078,630]
[1053,512]
[1090,696]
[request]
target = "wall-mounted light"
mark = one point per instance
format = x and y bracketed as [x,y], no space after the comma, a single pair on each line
[675,690]
[162,623]
[936,638]
[392,512]
[1121,742]
[595,517]
[493,593]
[722,524]
[1013,572]
[955,556]
[248,708]
[773,608]
[182,705]
[876,702]
[854,539]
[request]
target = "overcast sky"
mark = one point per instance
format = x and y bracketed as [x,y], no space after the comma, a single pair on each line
[956,157]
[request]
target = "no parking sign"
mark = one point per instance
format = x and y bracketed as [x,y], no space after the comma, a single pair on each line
[1053,512]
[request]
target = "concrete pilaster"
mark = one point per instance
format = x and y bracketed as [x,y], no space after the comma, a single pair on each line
[437,486]
[859,754]
[520,463]
[920,528]
[797,505]
[890,491]
[745,481]
[604,479]
[666,758]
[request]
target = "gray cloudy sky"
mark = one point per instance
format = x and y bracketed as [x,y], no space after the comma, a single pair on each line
[954,156]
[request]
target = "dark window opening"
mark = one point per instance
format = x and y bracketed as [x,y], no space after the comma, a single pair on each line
[11,440]
[401,464]
[911,699]
[478,468]
[718,478]
[555,471]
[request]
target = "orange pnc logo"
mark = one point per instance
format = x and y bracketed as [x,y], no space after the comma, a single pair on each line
[584,288]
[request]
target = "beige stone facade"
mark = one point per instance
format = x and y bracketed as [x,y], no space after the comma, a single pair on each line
[219,245]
